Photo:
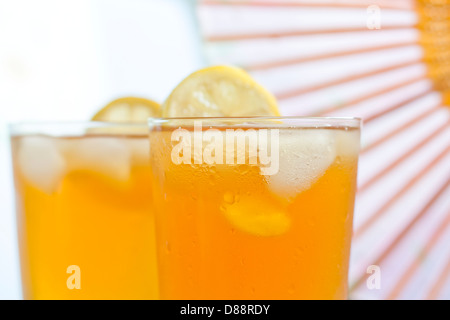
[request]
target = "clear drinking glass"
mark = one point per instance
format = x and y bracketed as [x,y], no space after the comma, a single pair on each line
[254,208]
[84,210]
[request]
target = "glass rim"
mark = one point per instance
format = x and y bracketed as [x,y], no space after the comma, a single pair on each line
[68,122]
[353,122]
[43,127]
[35,127]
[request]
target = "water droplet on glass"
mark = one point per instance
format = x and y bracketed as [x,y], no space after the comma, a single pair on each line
[212,179]
[229,197]
[168,247]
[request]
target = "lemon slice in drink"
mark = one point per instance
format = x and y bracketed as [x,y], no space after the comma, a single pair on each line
[128,109]
[257,217]
[220,91]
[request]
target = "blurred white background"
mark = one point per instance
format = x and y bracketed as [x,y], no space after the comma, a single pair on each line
[63,60]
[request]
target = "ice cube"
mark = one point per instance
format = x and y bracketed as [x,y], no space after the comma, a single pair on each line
[108,156]
[347,143]
[304,156]
[41,163]
[140,150]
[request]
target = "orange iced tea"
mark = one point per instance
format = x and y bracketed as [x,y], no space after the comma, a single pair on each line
[230,230]
[84,214]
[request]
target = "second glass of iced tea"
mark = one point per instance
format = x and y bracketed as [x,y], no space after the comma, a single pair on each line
[254,208]
[84,210]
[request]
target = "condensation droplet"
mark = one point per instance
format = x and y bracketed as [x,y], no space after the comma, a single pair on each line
[229,197]
[168,247]
[212,179]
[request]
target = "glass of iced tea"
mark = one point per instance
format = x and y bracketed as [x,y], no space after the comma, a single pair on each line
[254,208]
[84,210]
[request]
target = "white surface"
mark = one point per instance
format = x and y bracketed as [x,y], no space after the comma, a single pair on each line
[62,60]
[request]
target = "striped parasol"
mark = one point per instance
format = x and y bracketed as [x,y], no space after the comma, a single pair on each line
[387,62]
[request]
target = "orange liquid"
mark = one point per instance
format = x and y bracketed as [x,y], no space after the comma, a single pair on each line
[97,222]
[222,233]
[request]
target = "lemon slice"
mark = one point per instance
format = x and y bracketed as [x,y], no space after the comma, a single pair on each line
[220,91]
[257,217]
[128,109]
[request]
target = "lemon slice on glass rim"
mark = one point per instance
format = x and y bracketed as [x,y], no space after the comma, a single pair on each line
[127,110]
[219,91]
